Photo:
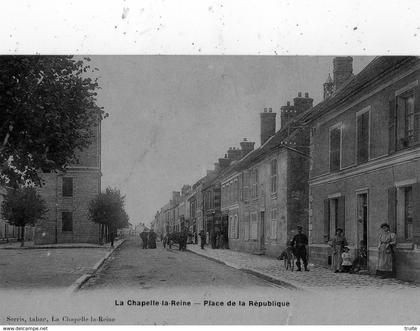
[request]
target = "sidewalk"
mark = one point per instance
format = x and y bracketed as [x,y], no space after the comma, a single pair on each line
[52,266]
[317,278]
[31,245]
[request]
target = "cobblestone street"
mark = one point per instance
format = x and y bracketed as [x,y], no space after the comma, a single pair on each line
[316,278]
[133,267]
[40,268]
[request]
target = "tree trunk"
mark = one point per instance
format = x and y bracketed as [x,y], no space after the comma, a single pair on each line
[23,236]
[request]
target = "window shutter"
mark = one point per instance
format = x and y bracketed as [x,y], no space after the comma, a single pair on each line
[326,220]
[416,213]
[391,125]
[417,115]
[360,139]
[392,202]
[400,125]
[341,214]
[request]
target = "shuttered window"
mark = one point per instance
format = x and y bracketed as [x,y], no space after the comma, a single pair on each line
[246,226]
[273,228]
[404,120]
[274,176]
[416,213]
[253,227]
[363,137]
[335,149]
[246,186]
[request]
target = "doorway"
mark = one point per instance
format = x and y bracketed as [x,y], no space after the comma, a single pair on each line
[362,228]
[262,232]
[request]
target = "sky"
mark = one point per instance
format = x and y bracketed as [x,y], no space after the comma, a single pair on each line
[172,117]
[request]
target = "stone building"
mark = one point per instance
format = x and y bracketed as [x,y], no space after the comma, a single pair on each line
[365,169]
[68,195]
[265,194]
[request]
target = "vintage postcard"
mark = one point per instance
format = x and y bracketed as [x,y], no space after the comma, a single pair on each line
[145,185]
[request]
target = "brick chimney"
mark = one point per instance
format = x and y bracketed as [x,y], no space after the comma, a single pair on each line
[246,146]
[185,189]
[268,124]
[328,87]
[286,114]
[224,162]
[343,70]
[234,154]
[175,196]
[302,103]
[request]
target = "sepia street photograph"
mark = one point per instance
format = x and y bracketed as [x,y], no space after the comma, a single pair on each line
[208,187]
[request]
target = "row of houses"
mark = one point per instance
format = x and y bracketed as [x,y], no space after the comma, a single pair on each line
[351,161]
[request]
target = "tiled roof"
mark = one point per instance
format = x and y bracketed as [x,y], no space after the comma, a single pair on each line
[365,81]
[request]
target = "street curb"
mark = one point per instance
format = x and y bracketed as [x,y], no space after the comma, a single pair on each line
[253,272]
[85,277]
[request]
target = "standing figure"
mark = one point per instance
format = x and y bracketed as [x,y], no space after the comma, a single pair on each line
[386,253]
[143,237]
[213,239]
[300,243]
[112,235]
[338,244]
[151,240]
[202,238]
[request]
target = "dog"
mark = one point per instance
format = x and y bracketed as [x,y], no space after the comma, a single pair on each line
[288,257]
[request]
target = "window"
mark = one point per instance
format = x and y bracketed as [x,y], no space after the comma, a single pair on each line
[253,227]
[273,229]
[404,120]
[274,176]
[67,186]
[363,137]
[67,221]
[335,148]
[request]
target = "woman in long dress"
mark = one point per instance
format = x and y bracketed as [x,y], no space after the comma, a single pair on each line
[386,253]
[338,243]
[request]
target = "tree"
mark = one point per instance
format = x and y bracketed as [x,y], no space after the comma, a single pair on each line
[108,209]
[48,114]
[23,206]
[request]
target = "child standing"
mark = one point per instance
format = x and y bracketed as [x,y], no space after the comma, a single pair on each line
[347,264]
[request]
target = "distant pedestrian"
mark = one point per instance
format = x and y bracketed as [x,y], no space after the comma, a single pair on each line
[151,240]
[338,243]
[386,253]
[347,262]
[144,235]
[202,238]
[300,243]
[165,240]
[112,235]
[213,239]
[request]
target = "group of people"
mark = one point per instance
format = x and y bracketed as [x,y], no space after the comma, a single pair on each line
[342,260]
[148,239]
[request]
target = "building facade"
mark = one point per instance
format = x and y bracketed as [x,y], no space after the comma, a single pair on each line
[68,195]
[365,168]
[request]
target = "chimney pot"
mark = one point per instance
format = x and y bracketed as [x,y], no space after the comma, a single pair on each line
[300,94]
[265,110]
[288,103]
[245,139]
[306,95]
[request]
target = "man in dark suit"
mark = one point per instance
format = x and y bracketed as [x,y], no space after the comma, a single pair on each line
[300,243]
